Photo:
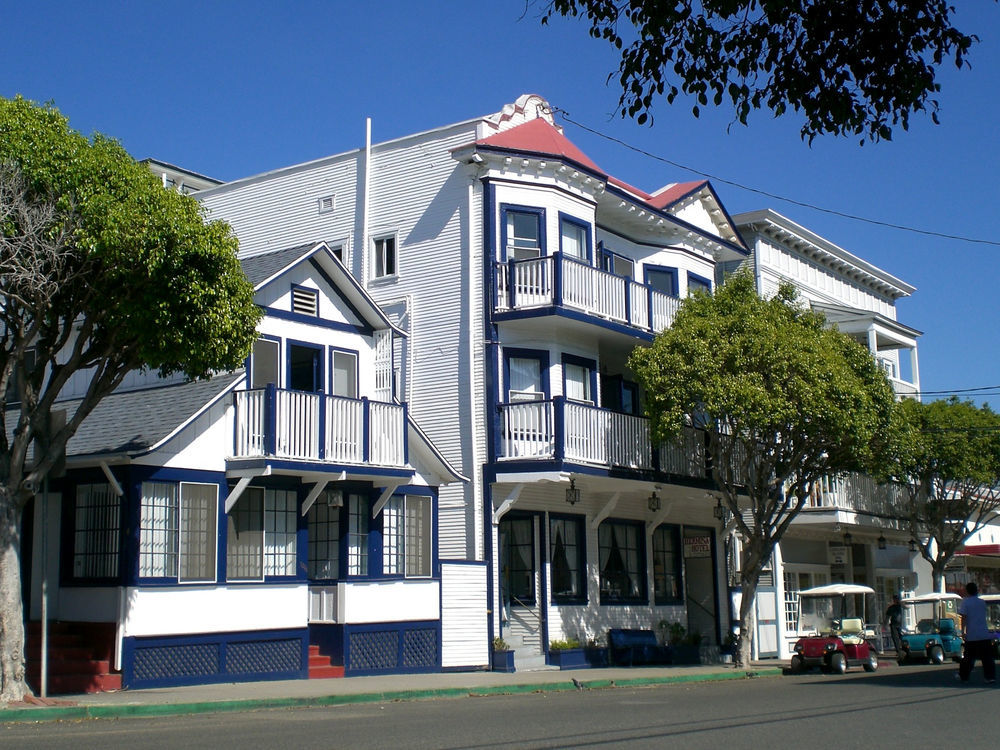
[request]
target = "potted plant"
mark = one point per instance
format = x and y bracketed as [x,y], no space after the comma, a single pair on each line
[501,656]
[567,654]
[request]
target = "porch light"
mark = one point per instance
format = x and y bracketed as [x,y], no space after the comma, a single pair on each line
[572,493]
[653,502]
[881,541]
[848,538]
[718,511]
[913,545]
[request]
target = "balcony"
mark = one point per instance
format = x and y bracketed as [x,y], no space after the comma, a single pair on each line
[558,429]
[858,493]
[563,282]
[298,425]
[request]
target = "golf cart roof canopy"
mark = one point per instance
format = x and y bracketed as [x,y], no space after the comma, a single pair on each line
[990,597]
[837,589]
[934,596]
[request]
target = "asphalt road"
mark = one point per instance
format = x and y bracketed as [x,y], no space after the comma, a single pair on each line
[899,707]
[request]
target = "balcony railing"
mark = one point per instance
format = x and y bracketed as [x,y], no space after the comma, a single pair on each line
[561,281]
[312,426]
[561,429]
[858,492]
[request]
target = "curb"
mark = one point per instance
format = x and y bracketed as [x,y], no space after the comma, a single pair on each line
[135,710]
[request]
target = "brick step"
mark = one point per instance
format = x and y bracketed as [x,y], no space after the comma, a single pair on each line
[72,666]
[64,653]
[327,672]
[70,640]
[67,684]
[318,660]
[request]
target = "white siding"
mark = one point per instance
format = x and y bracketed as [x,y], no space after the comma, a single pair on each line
[464,635]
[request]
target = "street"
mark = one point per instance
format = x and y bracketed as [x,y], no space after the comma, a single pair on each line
[897,707]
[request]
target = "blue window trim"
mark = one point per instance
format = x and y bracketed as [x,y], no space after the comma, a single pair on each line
[590,364]
[291,300]
[678,564]
[671,270]
[128,529]
[543,369]
[539,212]
[301,534]
[249,362]
[357,366]
[318,377]
[539,584]
[643,597]
[588,231]
[581,549]
[606,261]
[698,280]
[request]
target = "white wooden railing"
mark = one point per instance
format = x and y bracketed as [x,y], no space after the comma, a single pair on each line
[568,282]
[858,492]
[312,426]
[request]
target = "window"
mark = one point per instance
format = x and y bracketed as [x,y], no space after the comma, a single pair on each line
[566,557]
[517,564]
[662,280]
[262,538]
[666,565]
[523,234]
[696,282]
[385,256]
[617,264]
[794,583]
[621,553]
[574,238]
[345,374]
[406,536]
[264,363]
[96,532]
[524,376]
[357,536]
[618,394]
[578,375]
[305,368]
[324,536]
[305,301]
[177,531]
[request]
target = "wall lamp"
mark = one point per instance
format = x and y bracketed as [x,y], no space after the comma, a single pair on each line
[653,502]
[572,493]
[881,541]
[718,511]
[848,538]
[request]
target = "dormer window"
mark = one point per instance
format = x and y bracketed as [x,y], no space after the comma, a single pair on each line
[305,301]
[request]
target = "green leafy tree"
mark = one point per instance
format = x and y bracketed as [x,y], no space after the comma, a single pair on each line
[849,68]
[948,460]
[102,271]
[784,401]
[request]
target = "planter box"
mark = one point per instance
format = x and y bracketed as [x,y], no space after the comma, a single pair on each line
[579,658]
[686,654]
[502,661]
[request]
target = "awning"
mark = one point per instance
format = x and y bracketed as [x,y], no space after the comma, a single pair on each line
[989,550]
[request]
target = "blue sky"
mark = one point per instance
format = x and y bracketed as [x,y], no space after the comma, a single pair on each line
[230,89]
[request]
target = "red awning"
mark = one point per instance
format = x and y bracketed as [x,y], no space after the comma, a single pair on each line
[980,549]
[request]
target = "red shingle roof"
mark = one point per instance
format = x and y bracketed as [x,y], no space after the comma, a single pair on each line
[539,137]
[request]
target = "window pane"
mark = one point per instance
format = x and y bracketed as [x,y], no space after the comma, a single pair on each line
[525,379]
[245,542]
[357,536]
[158,530]
[345,374]
[618,548]
[264,363]
[280,532]
[666,565]
[518,563]
[199,504]
[96,532]
[574,240]
[577,382]
[522,229]
[392,541]
[564,551]
[324,539]
[385,256]
[418,536]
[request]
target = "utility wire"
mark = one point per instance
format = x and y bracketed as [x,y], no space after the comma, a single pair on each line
[854,217]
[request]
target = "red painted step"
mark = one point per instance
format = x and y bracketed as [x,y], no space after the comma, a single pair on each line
[79,657]
[320,667]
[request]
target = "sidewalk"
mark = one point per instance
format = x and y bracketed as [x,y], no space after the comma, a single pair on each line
[248,696]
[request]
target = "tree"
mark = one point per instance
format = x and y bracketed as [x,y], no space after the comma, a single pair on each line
[850,68]
[784,402]
[948,461]
[102,271]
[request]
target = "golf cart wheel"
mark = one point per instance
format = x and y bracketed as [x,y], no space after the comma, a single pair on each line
[872,664]
[936,655]
[838,663]
[797,666]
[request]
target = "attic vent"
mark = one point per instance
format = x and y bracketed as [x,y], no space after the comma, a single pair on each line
[327,203]
[305,301]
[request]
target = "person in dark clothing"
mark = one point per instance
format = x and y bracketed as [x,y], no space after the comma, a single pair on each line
[978,637]
[894,619]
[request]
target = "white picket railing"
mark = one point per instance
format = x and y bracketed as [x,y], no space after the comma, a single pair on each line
[298,433]
[528,430]
[593,291]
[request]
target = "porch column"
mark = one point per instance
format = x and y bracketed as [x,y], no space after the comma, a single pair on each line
[915,369]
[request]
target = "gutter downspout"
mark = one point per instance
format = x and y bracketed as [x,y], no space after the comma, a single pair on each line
[365,200]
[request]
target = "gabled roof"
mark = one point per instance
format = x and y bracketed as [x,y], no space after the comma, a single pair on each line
[136,422]
[263,268]
[670,194]
[539,137]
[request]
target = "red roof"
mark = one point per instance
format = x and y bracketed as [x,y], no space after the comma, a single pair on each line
[539,137]
[672,193]
[979,549]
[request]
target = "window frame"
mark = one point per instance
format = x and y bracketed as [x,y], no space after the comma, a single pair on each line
[700,282]
[577,522]
[609,259]
[678,564]
[252,381]
[334,511]
[511,208]
[397,536]
[262,560]
[642,597]
[588,236]
[380,257]
[542,356]
[672,271]
[319,376]
[82,539]
[590,365]
[178,548]
[357,555]
[334,352]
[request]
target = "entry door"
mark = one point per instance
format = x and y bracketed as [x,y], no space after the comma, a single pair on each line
[699,575]
[519,581]
[766,609]
[305,368]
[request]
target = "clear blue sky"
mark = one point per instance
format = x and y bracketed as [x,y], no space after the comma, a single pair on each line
[230,89]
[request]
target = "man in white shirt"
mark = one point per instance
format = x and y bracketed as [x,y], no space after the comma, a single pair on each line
[978,637]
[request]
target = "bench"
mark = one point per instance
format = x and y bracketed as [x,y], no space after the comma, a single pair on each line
[631,646]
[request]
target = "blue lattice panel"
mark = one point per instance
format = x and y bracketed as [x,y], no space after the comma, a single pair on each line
[157,663]
[254,657]
[420,648]
[374,651]
[396,647]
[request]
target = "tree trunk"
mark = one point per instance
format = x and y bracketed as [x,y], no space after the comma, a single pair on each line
[12,684]
[937,576]
[748,592]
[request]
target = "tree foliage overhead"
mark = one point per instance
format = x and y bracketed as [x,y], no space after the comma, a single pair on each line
[102,271]
[849,67]
[784,402]
[948,459]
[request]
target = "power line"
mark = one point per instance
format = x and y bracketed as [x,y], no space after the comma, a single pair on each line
[854,217]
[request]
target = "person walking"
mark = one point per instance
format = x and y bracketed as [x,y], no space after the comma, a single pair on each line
[894,619]
[978,638]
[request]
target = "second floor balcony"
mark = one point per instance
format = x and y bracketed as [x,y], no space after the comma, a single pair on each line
[561,282]
[299,425]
